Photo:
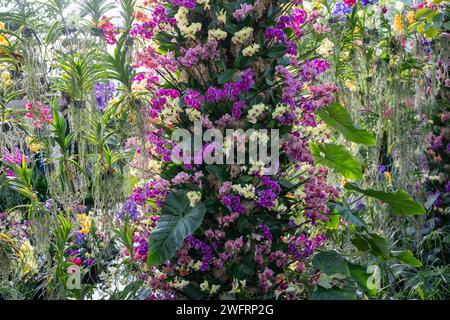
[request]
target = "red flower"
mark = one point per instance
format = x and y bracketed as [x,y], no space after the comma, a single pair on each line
[350,3]
[29,107]
[76,261]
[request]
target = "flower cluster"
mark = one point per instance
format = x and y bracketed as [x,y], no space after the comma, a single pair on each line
[108,32]
[12,160]
[156,22]
[341,9]
[39,113]
[251,231]
[191,56]
[103,93]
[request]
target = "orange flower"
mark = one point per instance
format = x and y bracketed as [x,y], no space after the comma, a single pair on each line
[398,23]
[85,223]
[3,38]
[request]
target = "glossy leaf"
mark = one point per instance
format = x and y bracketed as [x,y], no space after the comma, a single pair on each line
[400,202]
[407,257]
[338,158]
[178,220]
[330,263]
[338,118]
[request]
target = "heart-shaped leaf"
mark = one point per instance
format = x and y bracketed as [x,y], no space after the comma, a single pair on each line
[178,220]
[338,118]
[330,263]
[338,158]
[400,202]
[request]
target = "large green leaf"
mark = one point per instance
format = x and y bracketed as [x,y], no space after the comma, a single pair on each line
[372,243]
[424,12]
[361,243]
[346,293]
[400,202]
[347,213]
[407,257]
[338,118]
[379,245]
[330,263]
[178,220]
[338,158]
[333,221]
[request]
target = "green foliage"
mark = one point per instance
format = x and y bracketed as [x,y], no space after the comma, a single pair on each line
[407,257]
[338,158]
[226,76]
[338,118]
[57,5]
[95,9]
[118,64]
[125,235]
[429,22]
[61,136]
[335,282]
[218,172]
[372,243]
[62,233]
[400,202]
[130,292]
[64,139]
[331,263]
[336,293]
[178,220]
[126,12]
[369,254]
[21,182]
[80,71]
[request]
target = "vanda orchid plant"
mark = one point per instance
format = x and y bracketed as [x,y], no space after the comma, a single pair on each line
[230,230]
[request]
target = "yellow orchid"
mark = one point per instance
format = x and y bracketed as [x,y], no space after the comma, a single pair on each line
[5,76]
[26,260]
[34,146]
[388,177]
[410,16]
[84,222]
[350,85]
[3,38]
[398,24]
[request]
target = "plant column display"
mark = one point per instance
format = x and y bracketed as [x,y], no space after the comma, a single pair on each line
[229,230]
